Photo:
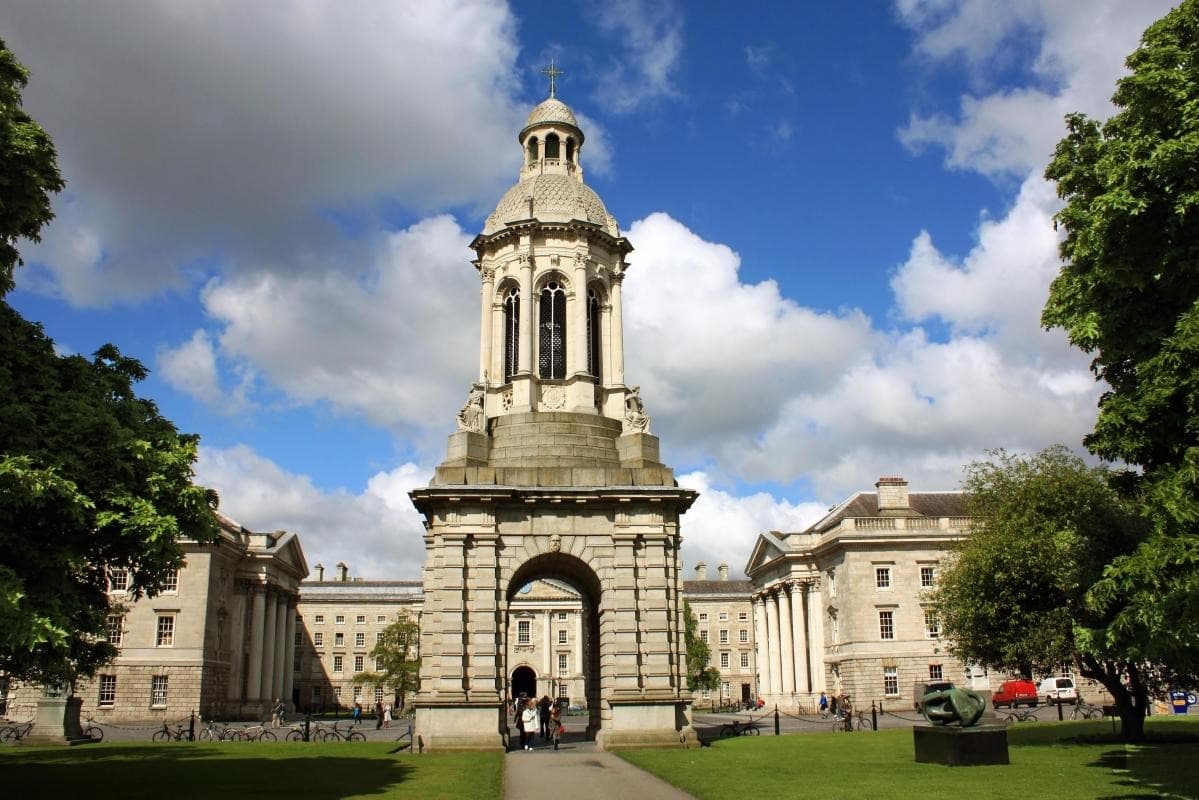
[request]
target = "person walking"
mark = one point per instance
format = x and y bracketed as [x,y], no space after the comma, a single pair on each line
[823,705]
[378,714]
[276,713]
[357,712]
[543,713]
[387,715]
[556,724]
[528,719]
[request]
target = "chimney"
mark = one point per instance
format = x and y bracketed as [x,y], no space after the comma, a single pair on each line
[892,494]
[343,572]
[723,569]
[701,571]
[320,572]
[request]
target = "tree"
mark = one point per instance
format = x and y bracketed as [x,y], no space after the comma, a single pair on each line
[1017,594]
[397,653]
[28,169]
[699,675]
[1128,292]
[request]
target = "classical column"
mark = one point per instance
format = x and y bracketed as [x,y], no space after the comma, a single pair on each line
[268,652]
[772,643]
[549,650]
[786,650]
[617,336]
[528,315]
[257,624]
[803,670]
[580,690]
[816,615]
[760,642]
[289,653]
[280,653]
[487,296]
[576,349]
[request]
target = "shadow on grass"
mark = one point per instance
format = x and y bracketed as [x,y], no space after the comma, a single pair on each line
[185,771]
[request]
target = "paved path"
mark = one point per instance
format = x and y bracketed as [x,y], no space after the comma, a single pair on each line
[580,771]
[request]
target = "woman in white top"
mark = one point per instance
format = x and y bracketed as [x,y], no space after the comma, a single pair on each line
[528,719]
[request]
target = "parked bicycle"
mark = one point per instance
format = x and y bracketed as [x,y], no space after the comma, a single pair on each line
[853,721]
[1022,715]
[169,734]
[214,732]
[93,730]
[1085,710]
[256,733]
[738,728]
[16,731]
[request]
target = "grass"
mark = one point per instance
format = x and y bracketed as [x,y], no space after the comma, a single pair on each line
[132,770]
[1047,760]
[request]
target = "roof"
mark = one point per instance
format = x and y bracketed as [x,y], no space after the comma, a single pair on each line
[717,587]
[551,110]
[920,504]
[556,198]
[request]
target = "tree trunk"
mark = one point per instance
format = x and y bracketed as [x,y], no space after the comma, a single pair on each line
[1130,698]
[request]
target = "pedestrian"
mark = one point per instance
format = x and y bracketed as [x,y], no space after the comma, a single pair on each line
[276,713]
[543,713]
[556,723]
[378,714]
[358,712]
[528,719]
[833,707]
[518,709]
[823,705]
[387,715]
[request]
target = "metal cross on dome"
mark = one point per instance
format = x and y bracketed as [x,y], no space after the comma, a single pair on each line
[552,72]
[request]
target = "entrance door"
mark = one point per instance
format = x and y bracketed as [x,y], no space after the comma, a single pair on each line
[524,681]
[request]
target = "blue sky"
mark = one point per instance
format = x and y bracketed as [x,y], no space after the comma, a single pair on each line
[842,237]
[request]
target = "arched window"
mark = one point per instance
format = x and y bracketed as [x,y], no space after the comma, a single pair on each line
[551,145]
[511,333]
[532,150]
[593,333]
[551,351]
[570,150]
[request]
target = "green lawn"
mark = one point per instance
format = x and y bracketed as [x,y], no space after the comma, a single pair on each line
[132,770]
[1046,759]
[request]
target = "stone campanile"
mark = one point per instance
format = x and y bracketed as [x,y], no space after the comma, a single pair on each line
[552,473]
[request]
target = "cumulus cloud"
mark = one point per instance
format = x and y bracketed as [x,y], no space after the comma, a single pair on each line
[651,41]
[376,531]
[228,136]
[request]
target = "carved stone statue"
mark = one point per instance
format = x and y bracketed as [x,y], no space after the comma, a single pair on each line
[470,418]
[635,418]
[963,706]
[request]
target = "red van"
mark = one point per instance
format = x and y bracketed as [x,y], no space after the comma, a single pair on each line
[1015,692]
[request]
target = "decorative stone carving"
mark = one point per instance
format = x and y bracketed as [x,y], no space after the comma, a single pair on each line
[554,397]
[555,543]
[506,400]
[487,274]
[635,418]
[582,260]
[471,417]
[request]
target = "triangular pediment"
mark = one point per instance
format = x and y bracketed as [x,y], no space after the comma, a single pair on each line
[769,547]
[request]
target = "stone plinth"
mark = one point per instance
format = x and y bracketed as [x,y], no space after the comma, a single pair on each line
[459,726]
[468,447]
[637,449]
[960,747]
[57,722]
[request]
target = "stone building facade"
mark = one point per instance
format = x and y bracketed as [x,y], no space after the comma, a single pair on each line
[723,609]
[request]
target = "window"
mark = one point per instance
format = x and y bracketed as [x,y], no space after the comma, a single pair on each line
[339,639]
[935,672]
[707,693]
[360,639]
[932,624]
[158,691]
[316,694]
[562,637]
[891,681]
[378,694]
[319,619]
[928,577]
[743,616]
[724,689]
[118,580]
[382,618]
[116,626]
[318,639]
[745,661]
[378,637]
[357,693]
[724,635]
[524,631]
[703,636]
[170,581]
[165,636]
[299,640]
[337,663]
[551,146]
[562,663]
[703,617]
[551,341]
[295,662]
[359,663]
[724,616]
[511,333]
[562,616]
[532,146]
[337,692]
[360,619]
[743,636]
[886,624]
[563,689]
[882,577]
[724,659]
[593,333]
[378,664]
[108,690]
[340,619]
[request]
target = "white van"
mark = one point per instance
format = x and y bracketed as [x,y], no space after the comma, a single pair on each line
[1058,690]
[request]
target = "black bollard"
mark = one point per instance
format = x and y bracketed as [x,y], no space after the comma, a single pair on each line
[776,720]
[307,722]
[191,728]
[873,715]
[1059,711]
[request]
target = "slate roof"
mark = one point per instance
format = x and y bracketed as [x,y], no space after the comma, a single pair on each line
[920,504]
[717,587]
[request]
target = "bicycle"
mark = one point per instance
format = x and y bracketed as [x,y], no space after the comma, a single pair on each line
[214,732]
[256,733]
[15,732]
[169,734]
[1086,711]
[1022,715]
[738,728]
[853,721]
[337,735]
[93,730]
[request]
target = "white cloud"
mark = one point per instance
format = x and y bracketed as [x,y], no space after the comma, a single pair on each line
[376,532]
[223,135]
[650,35]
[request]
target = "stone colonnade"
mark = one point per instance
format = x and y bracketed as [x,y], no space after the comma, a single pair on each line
[789,628]
[271,646]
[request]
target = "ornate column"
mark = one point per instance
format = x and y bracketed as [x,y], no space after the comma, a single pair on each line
[268,651]
[289,653]
[257,625]
[803,671]
[772,641]
[617,335]
[528,315]
[280,653]
[816,615]
[786,650]
[487,297]
[761,644]
[576,348]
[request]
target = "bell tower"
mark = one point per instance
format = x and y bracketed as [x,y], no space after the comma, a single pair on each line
[552,473]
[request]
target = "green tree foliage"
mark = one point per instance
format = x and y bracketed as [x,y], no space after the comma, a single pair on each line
[699,674]
[1128,292]
[1016,596]
[91,478]
[398,654]
[28,170]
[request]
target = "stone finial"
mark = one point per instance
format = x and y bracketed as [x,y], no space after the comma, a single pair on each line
[723,569]
[892,494]
[701,571]
[471,417]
